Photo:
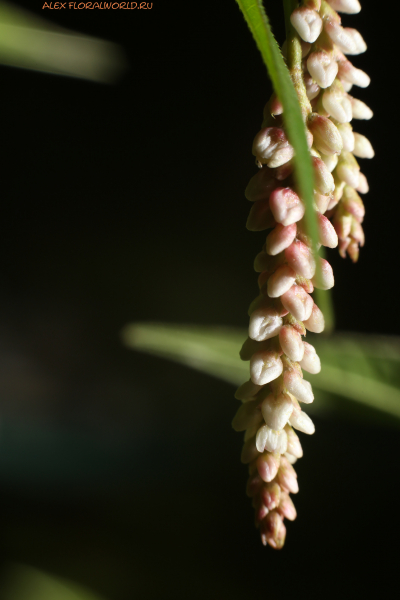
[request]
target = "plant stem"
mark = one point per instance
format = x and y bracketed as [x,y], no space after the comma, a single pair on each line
[294,58]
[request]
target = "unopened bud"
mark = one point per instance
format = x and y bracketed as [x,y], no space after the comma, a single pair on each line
[247,415]
[307,23]
[339,36]
[286,206]
[270,494]
[348,169]
[357,233]
[293,444]
[326,232]
[298,387]
[260,216]
[323,278]
[321,200]
[362,186]
[336,103]
[286,507]
[287,477]
[312,87]
[310,362]
[358,40]
[249,451]
[327,138]
[260,185]
[360,109]
[277,410]
[330,163]
[273,107]
[302,422]
[350,7]
[282,280]
[280,238]
[323,179]
[272,147]
[264,324]
[271,440]
[291,343]
[247,391]
[298,302]
[350,73]
[347,135]
[268,465]
[316,322]
[273,530]
[353,204]
[353,251]
[265,366]
[322,67]
[362,146]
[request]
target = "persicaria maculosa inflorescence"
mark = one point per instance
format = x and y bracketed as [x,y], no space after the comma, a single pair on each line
[288,270]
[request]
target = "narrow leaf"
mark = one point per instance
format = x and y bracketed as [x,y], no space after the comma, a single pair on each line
[259,26]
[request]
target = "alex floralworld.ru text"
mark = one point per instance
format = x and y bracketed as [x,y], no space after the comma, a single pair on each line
[98,5]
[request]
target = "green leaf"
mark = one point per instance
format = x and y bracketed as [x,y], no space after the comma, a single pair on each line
[363,369]
[30,42]
[259,26]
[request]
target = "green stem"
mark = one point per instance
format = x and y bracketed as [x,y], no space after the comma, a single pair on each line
[294,58]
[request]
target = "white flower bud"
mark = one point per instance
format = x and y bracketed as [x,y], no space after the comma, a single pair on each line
[272,147]
[330,163]
[337,104]
[280,281]
[360,109]
[302,422]
[312,87]
[362,147]
[358,40]
[350,73]
[300,258]
[339,36]
[322,67]
[298,387]
[247,416]
[323,279]
[310,361]
[260,185]
[363,186]
[327,138]
[307,23]
[293,442]
[323,179]
[326,232]
[316,322]
[347,135]
[264,324]
[247,391]
[265,366]
[280,238]
[321,200]
[298,302]
[291,343]
[291,458]
[277,411]
[271,440]
[350,7]
[348,169]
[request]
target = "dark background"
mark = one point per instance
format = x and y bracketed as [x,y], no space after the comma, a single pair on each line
[125,203]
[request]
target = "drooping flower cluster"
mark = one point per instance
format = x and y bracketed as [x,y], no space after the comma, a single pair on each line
[284,308]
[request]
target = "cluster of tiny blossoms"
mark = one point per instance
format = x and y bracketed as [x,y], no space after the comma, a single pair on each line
[284,309]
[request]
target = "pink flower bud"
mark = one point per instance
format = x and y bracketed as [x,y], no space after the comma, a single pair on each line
[260,185]
[300,258]
[310,362]
[350,73]
[273,107]
[312,87]
[286,206]
[302,422]
[350,7]
[286,507]
[291,343]
[279,283]
[277,410]
[357,233]
[352,204]
[260,216]
[316,322]
[323,179]
[362,186]
[272,147]
[247,416]
[298,387]
[284,171]
[264,324]
[348,169]
[360,109]
[353,251]
[339,36]
[336,103]
[254,484]
[347,135]
[322,67]
[247,391]
[307,23]
[323,278]
[280,238]
[268,465]
[362,147]
[265,366]
[270,494]
[358,41]
[273,530]
[293,444]
[298,302]
[287,477]
[327,138]
[326,232]
[260,510]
